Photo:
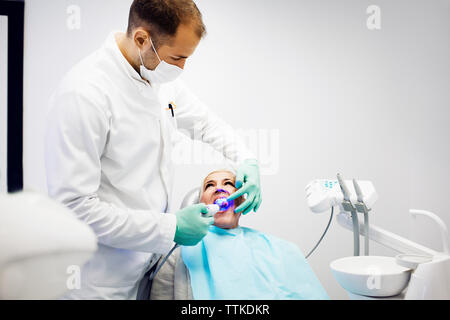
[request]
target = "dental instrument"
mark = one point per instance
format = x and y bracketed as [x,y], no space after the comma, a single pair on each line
[221,204]
[361,207]
[323,194]
[348,206]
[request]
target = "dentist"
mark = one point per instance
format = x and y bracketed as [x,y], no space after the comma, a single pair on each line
[108,145]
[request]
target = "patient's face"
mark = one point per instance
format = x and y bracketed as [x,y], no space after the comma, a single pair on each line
[221,184]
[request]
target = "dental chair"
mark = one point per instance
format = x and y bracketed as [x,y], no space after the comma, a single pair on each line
[192,197]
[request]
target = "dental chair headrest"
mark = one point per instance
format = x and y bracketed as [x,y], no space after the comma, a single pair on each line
[192,197]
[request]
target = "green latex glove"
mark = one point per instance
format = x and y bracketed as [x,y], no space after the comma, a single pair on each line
[247,182]
[191,225]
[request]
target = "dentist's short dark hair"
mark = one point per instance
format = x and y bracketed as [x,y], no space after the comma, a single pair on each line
[162,17]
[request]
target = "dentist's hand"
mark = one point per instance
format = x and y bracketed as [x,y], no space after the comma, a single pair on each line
[191,225]
[247,181]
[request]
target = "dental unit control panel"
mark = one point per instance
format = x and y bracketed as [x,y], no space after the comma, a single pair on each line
[322,194]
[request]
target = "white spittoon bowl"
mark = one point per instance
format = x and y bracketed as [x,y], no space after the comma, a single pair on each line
[371,276]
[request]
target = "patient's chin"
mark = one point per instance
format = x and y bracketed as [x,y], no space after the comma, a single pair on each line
[225,220]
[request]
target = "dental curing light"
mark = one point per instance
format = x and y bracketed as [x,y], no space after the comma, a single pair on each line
[221,204]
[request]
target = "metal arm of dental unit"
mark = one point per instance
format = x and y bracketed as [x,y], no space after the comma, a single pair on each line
[389,239]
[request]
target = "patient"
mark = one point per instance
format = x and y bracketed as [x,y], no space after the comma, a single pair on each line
[235,262]
[216,185]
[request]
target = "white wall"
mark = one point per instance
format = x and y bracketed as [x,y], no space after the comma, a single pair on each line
[371,104]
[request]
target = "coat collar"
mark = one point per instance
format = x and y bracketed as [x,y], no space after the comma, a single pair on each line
[112,47]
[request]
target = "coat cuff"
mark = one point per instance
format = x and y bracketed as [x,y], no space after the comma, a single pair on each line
[168,224]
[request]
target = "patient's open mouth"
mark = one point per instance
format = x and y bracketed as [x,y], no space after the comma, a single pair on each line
[220,193]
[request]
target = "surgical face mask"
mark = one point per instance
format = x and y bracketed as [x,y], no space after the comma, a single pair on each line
[163,73]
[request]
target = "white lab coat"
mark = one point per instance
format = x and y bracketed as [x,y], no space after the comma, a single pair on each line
[108,158]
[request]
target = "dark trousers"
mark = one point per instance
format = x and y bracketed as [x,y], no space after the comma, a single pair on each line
[145,285]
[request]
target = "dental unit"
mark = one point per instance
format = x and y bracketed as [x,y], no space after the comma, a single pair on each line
[417,272]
